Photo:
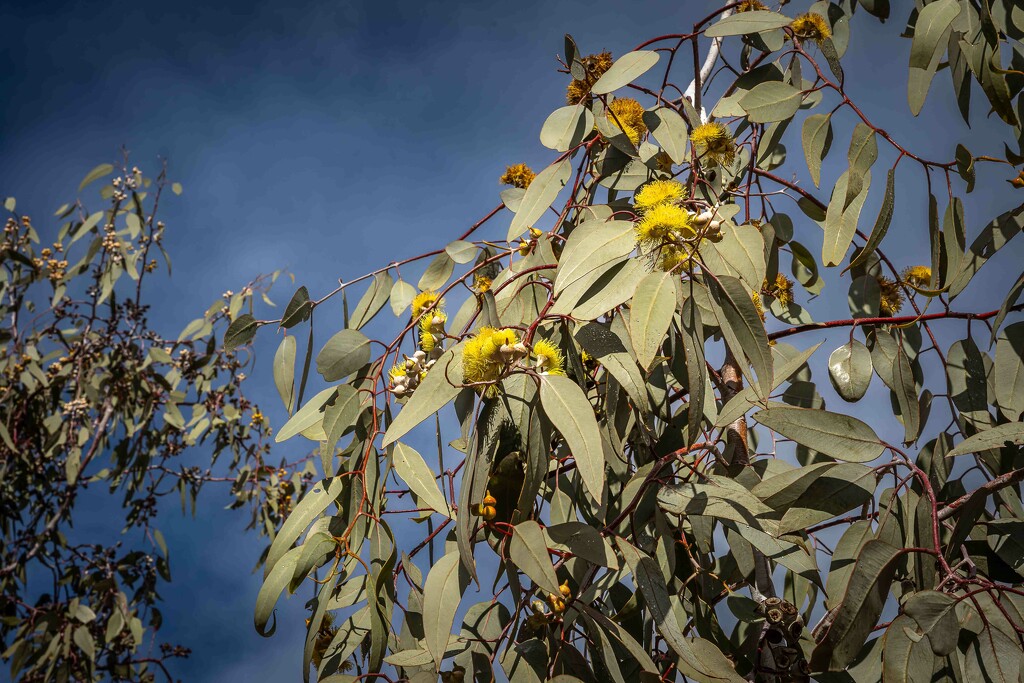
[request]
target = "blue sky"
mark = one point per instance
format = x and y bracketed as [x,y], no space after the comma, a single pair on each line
[329,138]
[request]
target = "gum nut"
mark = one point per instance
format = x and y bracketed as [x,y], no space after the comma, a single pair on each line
[437,322]
[520,349]
[410,364]
[398,390]
[716,225]
[702,219]
[419,356]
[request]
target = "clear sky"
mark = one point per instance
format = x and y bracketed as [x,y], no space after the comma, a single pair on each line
[331,137]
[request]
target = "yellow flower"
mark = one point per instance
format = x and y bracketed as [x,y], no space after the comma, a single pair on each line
[811,26]
[781,289]
[594,66]
[664,223]
[481,283]
[486,355]
[549,358]
[918,276]
[658,192]
[425,300]
[756,298]
[751,6]
[397,371]
[432,330]
[628,114]
[891,297]
[672,256]
[714,141]
[519,176]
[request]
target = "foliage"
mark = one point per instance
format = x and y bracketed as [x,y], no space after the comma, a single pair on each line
[627,453]
[94,402]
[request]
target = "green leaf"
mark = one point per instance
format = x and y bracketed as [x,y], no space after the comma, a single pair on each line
[442,594]
[654,304]
[747,22]
[273,585]
[720,497]
[343,354]
[420,478]
[433,393]
[312,505]
[402,294]
[860,608]
[606,346]
[906,657]
[566,127]
[849,368]
[696,372]
[529,552]
[839,436]
[930,32]
[240,332]
[94,175]
[1009,371]
[817,137]
[906,395]
[305,417]
[783,369]
[881,223]
[742,328]
[740,253]
[771,101]
[836,490]
[591,245]
[341,413]
[669,129]
[584,541]
[372,300]
[539,195]
[284,372]
[992,238]
[935,614]
[437,273]
[625,70]
[570,412]
[861,155]
[462,251]
[648,578]
[841,219]
[298,309]
[994,657]
[996,437]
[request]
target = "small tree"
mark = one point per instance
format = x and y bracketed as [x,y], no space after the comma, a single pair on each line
[637,463]
[93,401]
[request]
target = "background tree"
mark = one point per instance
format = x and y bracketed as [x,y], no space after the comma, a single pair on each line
[602,367]
[95,404]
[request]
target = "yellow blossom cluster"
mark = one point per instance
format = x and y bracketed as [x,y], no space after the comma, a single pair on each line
[891,300]
[424,300]
[665,229]
[519,175]
[713,141]
[811,26]
[751,6]
[488,354]
[628,115]
[917,276]
[549,360]
[594,67]
[780,289]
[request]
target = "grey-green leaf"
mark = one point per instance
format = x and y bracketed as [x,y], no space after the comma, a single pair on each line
[284,371]
[840,436]
[625,70]
[539,195]
[343,354]
[996,437]
[566,127]
[747,22]
[654,304]
[771,101]
[437,389]
[441,596]
[570,412]
[816,134]
[420,478]
[529,552]
[849,368]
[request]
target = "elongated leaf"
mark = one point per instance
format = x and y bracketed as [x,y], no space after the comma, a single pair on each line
[834,434]
[996,437]
[625,70]
[747,22]
[414,471]
[743,330]
[745,400]
[1009,371]
[273,585]
[930,31]
[402,294]
[992,238]
[654,304]
[312,505]
[434,392]
[906,396]
[305,417]
[841,218]
[528,550]
[437,273]
[298,309]
[442,593]
[816,134]
[343,354]
[860,608]
[881,223]
[539,195]
[570,412]
[906,657]
[935,614]
[284,371]
[92,176]
[607,347]
[372,301]
[591,245]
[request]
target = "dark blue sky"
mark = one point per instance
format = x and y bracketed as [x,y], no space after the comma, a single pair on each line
[331,137]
